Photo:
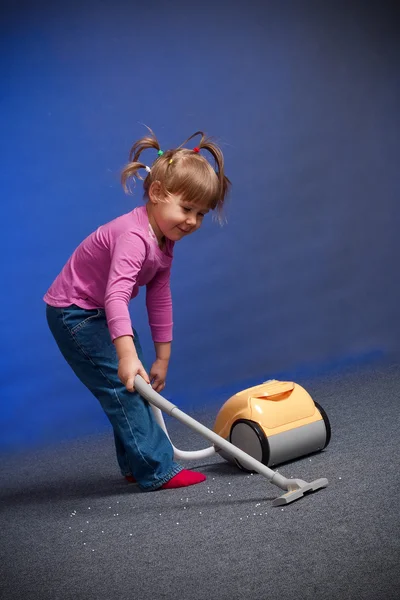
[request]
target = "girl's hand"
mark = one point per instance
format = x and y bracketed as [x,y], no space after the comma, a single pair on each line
[128,368]
[158,374]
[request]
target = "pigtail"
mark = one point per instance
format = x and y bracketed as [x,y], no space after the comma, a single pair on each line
[215,151]
[144,143]
[131,170]
[207,143]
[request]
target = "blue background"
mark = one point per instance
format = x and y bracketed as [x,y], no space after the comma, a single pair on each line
[304,99]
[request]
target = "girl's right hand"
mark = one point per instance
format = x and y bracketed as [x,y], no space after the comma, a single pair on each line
[128,368]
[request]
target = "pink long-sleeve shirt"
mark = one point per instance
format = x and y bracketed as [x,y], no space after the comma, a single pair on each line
[107,269]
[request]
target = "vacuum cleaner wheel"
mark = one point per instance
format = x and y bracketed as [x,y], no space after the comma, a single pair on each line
[327,423]
[250,437]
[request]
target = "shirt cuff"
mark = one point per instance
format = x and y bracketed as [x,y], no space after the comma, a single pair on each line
[119,327]
[161,333]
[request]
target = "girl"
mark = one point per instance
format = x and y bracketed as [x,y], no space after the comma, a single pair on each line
[87,305]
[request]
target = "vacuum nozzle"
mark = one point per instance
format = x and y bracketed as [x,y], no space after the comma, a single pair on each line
[298,488]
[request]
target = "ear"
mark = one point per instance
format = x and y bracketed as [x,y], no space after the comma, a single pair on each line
[155,192]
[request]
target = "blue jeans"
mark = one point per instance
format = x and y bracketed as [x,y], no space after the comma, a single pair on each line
[142,447]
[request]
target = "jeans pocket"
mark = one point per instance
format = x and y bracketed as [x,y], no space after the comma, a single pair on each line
[89,330]
[76,318]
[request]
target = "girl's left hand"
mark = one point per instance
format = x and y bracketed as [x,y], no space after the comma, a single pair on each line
[158,374]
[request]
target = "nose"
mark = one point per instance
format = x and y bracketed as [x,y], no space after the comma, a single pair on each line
[191,220]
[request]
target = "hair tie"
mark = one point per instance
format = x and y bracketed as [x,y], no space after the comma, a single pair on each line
[148,169]
[170,162]
[196,149]
[160,153]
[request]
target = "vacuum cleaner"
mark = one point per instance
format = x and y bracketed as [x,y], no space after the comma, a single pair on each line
[255,429]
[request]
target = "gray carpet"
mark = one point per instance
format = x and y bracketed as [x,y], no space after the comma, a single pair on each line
[71,528]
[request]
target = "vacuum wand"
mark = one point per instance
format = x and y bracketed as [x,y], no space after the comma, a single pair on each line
[295,488]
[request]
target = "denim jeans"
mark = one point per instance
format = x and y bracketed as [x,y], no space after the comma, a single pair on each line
[142,447]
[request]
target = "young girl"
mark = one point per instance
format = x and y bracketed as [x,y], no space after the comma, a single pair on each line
[87,305]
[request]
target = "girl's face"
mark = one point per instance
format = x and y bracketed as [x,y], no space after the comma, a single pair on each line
[173,217]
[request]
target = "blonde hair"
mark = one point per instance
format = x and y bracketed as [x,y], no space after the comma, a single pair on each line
[181,171]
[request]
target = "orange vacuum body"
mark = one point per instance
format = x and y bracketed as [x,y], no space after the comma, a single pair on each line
[274,422]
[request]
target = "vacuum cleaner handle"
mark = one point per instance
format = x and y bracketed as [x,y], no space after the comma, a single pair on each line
[276,388]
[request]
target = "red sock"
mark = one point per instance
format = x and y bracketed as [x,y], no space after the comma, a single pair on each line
[183,479]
